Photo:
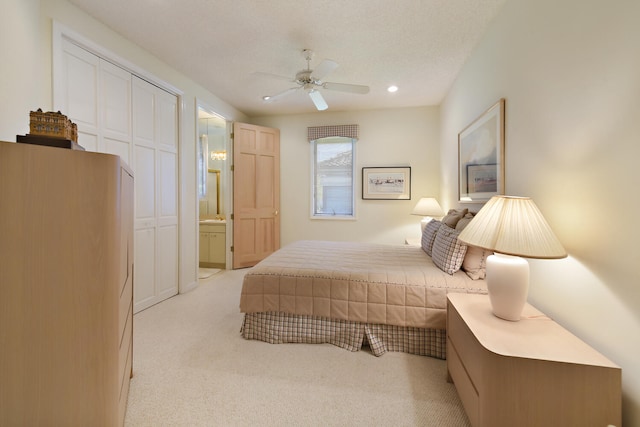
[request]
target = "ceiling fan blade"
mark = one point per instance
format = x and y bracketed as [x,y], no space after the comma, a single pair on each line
[318,100]
[272,76]
[342,87]
[282,94]
[324,68]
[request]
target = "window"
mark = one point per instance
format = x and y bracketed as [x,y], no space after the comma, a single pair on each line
[333,177]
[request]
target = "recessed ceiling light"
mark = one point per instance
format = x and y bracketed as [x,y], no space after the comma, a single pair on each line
[266,98]
[392,88]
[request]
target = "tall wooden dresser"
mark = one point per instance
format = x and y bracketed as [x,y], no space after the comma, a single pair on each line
[66,286]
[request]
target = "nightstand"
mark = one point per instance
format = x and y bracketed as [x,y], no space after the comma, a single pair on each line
[527,373]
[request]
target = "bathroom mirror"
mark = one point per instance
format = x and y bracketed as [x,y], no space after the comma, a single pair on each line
[212,157]
[216,179]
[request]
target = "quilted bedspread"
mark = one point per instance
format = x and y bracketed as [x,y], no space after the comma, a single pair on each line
[363,282]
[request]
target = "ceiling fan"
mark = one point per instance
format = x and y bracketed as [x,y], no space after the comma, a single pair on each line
[311,81]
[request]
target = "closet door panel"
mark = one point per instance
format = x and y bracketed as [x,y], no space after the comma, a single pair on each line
[155,147]
[167,264]
[117,147]
[78,92]
[88,141]
[115,110]
[169,185]
[145,168]
[81,86]
[167,123]
[143,112]
[145,266]
[116,102]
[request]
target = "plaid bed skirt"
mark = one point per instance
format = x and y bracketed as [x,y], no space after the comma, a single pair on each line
[280,328]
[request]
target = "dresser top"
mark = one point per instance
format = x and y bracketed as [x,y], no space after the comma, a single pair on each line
[535,336]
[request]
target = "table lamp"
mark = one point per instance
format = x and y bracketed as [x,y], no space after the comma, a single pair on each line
[512,227]
[427,207]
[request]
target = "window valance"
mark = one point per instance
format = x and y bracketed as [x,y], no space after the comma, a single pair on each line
[346,131]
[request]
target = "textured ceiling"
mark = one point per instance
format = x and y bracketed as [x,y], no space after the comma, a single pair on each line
[418,45]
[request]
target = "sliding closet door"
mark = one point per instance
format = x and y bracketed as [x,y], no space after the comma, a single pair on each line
[77,92]
[115,111]
[96,95]
[120,113]
[155,155]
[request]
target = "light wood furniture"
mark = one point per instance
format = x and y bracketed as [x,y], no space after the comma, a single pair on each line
[526,373]
[66,286]
[212,244]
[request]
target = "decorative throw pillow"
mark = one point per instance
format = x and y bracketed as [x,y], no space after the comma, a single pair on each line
[475,262]
[464,221]
[429,235]
[453,216]
[448,252]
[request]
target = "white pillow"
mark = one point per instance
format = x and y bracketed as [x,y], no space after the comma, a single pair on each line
[475,262]
[448,252]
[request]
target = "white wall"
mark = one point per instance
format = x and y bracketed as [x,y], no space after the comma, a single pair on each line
[570,73]
[397,137]
[23,85]
[26,84]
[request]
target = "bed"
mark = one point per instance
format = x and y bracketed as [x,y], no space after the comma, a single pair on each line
[350,294]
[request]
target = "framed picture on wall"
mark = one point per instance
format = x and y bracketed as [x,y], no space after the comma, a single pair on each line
[386,183]
[481,156]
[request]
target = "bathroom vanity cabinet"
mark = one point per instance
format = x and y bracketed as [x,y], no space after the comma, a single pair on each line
[212,244]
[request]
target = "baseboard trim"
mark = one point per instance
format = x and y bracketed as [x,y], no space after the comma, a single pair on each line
[186,288]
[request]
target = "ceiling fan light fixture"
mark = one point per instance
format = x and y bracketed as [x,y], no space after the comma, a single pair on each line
[311,80]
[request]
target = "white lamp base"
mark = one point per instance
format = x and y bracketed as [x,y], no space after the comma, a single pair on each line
[508,285]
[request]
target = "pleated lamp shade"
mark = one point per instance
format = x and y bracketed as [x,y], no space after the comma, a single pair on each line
[513,226]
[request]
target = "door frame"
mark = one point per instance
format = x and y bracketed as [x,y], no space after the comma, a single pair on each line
[226,188]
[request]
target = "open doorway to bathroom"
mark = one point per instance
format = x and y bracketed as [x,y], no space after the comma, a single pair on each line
[213,197]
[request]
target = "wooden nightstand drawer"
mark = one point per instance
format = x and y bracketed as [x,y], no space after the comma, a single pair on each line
[462,338]
[464,385]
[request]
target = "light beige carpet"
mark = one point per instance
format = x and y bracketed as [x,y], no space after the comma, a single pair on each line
[192,368]
[205,273]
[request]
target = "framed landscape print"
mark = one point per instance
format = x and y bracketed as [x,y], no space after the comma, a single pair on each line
[481,157]
[386,183]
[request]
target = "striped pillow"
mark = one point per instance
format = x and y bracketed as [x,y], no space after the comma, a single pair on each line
[448,252]
[429,235]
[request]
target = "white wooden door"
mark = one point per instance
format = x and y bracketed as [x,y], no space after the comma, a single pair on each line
[119,113]
[115,111]
[155,160]
[96,95]
[76,93]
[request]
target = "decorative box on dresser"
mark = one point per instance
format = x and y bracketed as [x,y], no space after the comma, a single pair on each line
[66,286]
[527,373]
